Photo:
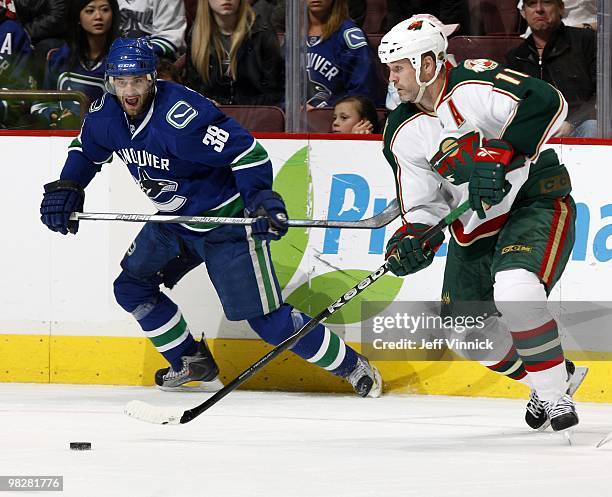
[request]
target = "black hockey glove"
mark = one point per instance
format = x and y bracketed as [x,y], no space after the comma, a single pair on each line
[61,198]
[269,209]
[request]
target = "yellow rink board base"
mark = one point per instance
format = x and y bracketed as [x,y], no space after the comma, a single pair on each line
[133,361]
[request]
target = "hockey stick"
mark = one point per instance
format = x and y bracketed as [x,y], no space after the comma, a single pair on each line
[153,414]
[391,212]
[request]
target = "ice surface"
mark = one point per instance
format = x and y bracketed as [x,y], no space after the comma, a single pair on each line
[279,444]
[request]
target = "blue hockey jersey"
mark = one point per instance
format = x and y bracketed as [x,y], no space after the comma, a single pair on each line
[15,63]
[186,155]
[341,65]
[59,75]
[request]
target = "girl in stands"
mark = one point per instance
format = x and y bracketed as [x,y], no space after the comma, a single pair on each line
[355,115]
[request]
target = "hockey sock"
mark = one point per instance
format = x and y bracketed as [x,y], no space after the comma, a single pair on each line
[163,324]
[521,298]
[321,346]
[510,366]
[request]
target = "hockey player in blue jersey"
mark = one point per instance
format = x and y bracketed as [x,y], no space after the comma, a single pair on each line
[191,159]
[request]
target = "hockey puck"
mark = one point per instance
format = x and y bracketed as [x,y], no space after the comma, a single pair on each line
[80,445]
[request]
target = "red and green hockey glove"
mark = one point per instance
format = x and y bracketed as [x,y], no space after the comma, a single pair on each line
[405,254]
[488,185]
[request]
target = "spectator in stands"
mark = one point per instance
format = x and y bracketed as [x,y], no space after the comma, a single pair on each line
[45,22]
[163,20]
[15,66]
[577,13]
[563,56]
[355,115]
[340,61]
[357,12]
[79,65]
[233,57]
[448,11]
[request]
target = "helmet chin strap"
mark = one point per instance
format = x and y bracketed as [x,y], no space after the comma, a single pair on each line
[423,86]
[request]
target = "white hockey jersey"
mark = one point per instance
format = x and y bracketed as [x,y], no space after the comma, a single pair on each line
[163,20]
[480,99]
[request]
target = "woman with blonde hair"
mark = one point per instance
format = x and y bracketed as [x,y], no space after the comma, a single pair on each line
[233,57]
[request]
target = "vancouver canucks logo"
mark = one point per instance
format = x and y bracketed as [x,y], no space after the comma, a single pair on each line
[154,187]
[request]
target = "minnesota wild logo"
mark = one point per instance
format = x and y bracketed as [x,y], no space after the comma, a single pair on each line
[416,25]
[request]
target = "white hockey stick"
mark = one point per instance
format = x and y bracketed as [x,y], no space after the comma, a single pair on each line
[391,212]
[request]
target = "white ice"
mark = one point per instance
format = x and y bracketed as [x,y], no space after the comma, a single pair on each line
[279,444]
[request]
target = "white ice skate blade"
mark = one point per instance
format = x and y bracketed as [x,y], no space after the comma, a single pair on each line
[377,387]
[604,440]
[196,386]
[569,435]
[576,380]
[152,414]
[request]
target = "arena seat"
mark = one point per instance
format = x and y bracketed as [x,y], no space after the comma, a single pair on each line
[482,47]
[494,17]
[376,10]
[262,118]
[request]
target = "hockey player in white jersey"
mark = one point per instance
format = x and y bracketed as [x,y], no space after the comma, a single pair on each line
[477,132]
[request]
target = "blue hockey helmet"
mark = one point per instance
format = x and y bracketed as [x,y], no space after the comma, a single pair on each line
[131,57]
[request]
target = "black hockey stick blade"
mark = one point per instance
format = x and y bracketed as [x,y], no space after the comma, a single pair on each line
[152,414]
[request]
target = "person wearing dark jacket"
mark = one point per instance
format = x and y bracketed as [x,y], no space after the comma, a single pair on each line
[233,57]
[565,57]
[45,22]
[43,19]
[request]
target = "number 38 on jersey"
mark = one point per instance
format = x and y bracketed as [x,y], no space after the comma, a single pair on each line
[216,137]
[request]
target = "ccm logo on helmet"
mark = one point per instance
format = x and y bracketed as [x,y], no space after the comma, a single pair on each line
[126,65]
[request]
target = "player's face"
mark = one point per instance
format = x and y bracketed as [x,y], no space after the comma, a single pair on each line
[320,7]
[224,7]
[345,117]
[403,77]
[542,15]
[96,17]
[134,93]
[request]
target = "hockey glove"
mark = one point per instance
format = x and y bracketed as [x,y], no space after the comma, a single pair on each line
[406,255]
[488,185]
[269,209]
[61,198]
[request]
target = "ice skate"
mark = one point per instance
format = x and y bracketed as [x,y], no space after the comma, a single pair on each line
[365,379]
[535,415]
[199,373]
[562,413]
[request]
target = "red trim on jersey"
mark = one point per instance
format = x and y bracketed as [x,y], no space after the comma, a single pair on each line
[540,330]
[488,227]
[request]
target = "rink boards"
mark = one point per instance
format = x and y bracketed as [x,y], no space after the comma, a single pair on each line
[59,322]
